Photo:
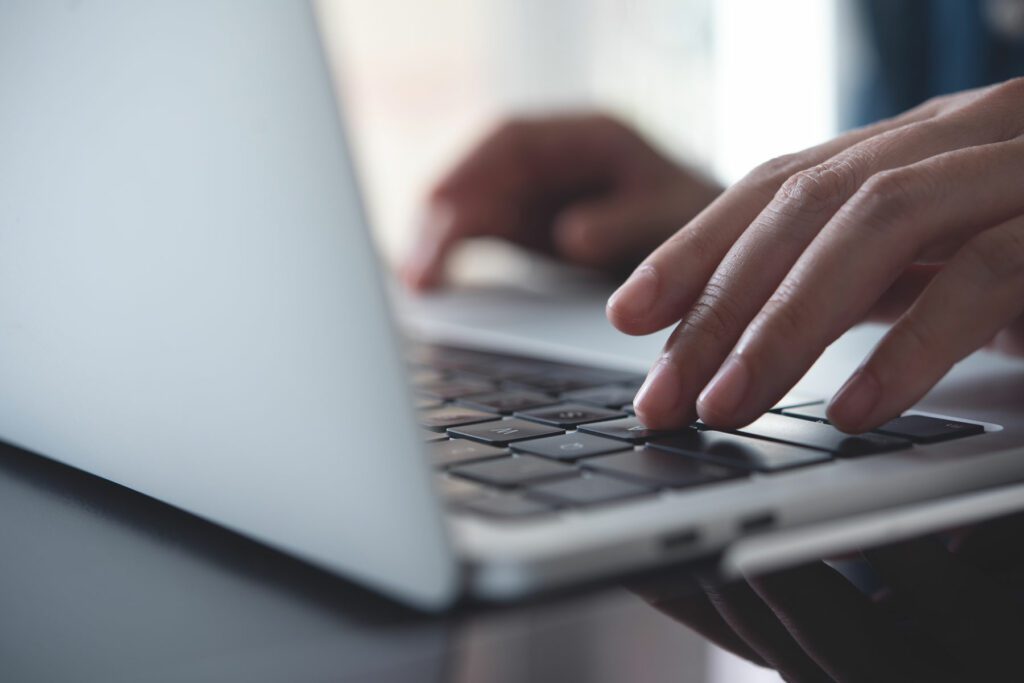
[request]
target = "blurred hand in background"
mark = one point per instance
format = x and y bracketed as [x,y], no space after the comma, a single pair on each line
[585,188]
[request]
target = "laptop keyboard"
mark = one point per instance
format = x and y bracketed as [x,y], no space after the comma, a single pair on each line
[514,437]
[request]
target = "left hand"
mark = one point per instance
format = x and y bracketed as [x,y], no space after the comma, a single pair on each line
[920,217]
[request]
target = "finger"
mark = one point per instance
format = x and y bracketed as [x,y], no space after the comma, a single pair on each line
[616,230]
[902,293]
[958,606]
[504,187]
[979,292]
[839,627]
[666,284]
[424,264]
[857,256]
[764,253]
[751,619]
[1011,339]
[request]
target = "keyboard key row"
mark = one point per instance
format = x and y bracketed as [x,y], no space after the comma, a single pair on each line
[570,415]
[819,435]
[504,432]
[452,416]
[741,451]
[508,402]
[923,429]
[628,429]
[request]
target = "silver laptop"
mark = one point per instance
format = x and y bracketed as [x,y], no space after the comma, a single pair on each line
[190,305]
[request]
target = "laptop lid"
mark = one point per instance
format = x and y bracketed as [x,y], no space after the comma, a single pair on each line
[190,304]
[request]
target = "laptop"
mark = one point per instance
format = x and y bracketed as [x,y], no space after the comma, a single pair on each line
[191,306]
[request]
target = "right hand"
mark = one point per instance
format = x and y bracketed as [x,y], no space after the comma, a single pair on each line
[585,188]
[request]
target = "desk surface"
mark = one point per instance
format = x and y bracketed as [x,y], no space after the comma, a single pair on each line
[98,583]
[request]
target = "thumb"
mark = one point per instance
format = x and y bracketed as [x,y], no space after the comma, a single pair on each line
[613,231]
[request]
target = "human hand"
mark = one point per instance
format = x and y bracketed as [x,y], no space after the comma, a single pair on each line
[585,188]
[919,217]
[949,609]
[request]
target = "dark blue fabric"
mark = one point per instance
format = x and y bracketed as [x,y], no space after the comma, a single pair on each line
[923,48]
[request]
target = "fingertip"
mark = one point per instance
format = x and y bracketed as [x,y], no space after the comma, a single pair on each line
[658,404]
[852,409]
[629,308]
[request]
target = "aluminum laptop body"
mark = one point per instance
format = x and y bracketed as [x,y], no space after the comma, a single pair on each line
[190,306]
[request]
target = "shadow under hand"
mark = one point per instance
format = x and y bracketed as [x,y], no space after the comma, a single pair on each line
[940,608]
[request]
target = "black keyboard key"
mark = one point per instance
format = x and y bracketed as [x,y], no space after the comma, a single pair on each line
[513,471]
[661,468]
[569,415]
[606,397]
[588,489]
[428,436]
[452,416]
[447,390]
[559,380]
[824,437]
[508,402]
[626,429]
[741,451]
[811,411]
[506,505]
[455,490]
[926,429]
[570,446]
[458,451]
[504,432]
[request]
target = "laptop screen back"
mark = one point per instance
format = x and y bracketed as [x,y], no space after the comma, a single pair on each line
[189,300]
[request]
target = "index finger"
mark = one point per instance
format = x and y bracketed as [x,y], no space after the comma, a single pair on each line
[668,282]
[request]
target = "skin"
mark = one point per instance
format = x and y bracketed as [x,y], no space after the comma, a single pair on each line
[947,609]
[583,188]
[917,219]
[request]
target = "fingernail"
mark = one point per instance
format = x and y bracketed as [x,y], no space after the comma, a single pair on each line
[853,404]
[660,391]
[724,394]
[635,297]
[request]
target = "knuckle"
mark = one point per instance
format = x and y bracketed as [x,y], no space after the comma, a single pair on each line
[1003,105]
[888,196]
[935,104]
[820,188]
[1012,90]
[785,315]
[715,316]
[769,175]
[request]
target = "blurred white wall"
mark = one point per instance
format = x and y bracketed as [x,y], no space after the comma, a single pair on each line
[722,83]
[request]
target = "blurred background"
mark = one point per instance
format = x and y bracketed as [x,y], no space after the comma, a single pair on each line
[722,84]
